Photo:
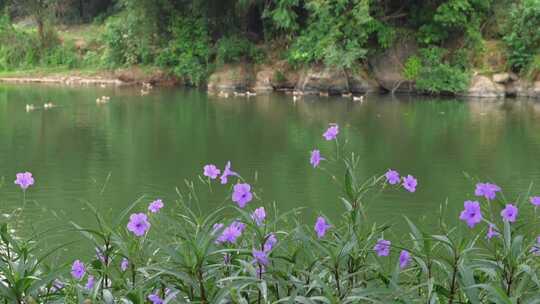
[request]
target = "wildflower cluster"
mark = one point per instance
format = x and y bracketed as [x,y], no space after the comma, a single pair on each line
[249,252]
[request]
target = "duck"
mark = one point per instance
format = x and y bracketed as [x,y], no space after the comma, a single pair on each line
[346,95]
[358,98]
[147,85]
[144,92]
[103,99]
[48,105]
[239,94]
[223,94]
[103,85]
[248,93]
[30,107]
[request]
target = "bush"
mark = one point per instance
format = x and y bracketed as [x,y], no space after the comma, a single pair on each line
[61,55]
[412,68]
[523,37]
[126,43]
[188,51]
[336,34]
[231,49]
[18,49]
[433,75]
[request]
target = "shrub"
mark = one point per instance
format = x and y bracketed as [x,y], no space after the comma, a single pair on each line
[188,51]
[231,49]
[61,55]
[18,49]
[336,34]
[434,75]
[412,68]
[523,38]
[126,42]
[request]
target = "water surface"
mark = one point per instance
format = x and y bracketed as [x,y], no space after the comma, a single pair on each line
[109,155]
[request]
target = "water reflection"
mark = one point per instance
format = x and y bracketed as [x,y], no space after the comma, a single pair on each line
[149,145]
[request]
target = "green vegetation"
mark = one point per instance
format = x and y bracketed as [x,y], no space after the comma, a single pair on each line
[191,38]
[249,252]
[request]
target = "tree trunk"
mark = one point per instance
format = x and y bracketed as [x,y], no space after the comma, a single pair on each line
[81,9]
[39,22]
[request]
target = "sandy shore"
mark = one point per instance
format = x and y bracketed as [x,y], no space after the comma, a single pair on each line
[68,80]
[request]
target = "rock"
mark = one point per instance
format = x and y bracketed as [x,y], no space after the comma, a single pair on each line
[323,79]
[521,88]
[263,80]
[285,77]
[387,67]
[231,78]
[527,89]
[501,77]
[360,83]
[482,86]
[534,90]
[513,76]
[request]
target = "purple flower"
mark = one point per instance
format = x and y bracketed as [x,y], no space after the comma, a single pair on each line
[270,242]
[242,194]
[487,190]
[226,173]
[216,227]
[321,226]
[211,171]
[259,215]
[138,224]
[24,180]
[231,233]
[90,282]
[535,200]
[492,232]
[536,247]
[155,299]
[471,214]
[260,257]
[78,270]
[410,183]
[124,264]
[155,206]
[509,213]
[392,177]
[382,247]
[332,132]
[404,259]
[315,158]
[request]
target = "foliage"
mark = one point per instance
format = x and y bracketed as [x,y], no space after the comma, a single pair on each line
[188,51]
[523,38]
[236,49]
[412,68]
[182,255]
[284,16]
[433,75]
[455,18]
[125,43]
[336,34]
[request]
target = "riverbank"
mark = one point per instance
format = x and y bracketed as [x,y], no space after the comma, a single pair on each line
[316,80]
[116,77]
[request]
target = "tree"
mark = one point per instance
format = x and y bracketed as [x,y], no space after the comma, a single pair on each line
[39,10]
